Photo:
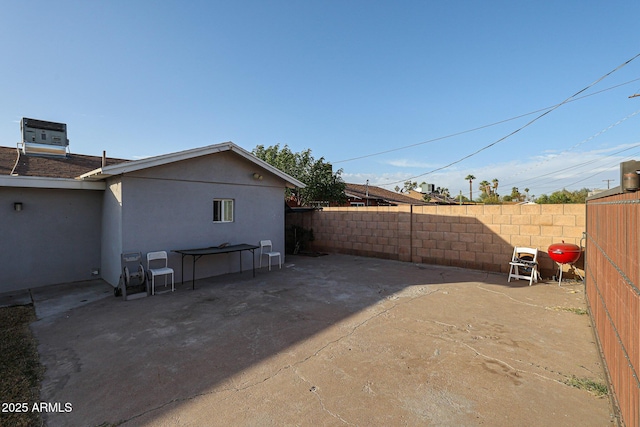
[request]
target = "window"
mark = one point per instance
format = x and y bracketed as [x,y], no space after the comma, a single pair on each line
[222,210]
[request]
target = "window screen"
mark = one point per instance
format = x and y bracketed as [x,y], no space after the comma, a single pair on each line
[223,210]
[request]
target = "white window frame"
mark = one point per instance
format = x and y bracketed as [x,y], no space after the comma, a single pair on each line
[223,210]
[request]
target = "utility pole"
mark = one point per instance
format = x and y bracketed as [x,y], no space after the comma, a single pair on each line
[367,194]
[608,181]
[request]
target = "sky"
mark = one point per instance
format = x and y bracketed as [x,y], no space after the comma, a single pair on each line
[535,94]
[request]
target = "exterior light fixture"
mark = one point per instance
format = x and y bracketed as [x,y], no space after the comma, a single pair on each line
[257,176]
[17,206]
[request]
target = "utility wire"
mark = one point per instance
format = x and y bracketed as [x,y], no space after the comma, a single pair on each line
[531,181]
[613,165]
[479,127]
[520,172]
[520,128]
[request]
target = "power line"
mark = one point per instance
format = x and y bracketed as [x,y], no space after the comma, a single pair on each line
[532,181]
[521,127]
[589,177]
[578,144]
[608,181]
[480,127]
[579,165]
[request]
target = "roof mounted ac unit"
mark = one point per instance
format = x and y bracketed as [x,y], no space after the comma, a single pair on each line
[44,138]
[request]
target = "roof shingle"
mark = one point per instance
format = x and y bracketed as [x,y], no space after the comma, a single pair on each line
[374,192]
[70,166]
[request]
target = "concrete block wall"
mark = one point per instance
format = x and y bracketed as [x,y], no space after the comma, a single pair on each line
[475,236]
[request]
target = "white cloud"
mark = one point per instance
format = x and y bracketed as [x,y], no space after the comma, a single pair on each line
[408,163]
[541,174]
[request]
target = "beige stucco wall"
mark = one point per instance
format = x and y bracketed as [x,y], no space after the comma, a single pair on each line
[476,236]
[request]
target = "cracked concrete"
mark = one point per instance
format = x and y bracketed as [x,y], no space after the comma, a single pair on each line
[334,340]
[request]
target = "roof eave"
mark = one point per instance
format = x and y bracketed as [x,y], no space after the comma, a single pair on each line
[45,182]
[135,165]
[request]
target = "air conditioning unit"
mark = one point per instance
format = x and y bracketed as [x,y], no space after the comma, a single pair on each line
[44,138]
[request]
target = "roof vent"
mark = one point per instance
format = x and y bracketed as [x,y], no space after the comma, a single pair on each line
[44,138]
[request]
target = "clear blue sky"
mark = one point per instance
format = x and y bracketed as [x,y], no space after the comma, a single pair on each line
[344,78]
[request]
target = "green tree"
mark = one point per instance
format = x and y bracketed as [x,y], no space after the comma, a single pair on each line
[462,198]
[408,186]
[322,184]
[564,196]
[516,196]
[485,187]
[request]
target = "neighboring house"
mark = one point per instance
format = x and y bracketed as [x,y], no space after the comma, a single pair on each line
[434,198]
[69,218]
[369,195]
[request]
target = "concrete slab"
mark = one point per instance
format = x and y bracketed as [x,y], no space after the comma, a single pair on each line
[58,299]
[15,298]
[327,341]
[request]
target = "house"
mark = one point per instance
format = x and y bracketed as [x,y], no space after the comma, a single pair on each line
[69,217]
[370,195]
[433,197]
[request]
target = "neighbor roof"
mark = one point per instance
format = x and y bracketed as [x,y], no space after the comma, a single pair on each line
[360,191]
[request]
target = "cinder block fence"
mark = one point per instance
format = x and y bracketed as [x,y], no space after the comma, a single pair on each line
[475,236]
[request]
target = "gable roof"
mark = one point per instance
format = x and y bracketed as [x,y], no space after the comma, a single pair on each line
[149,162]
[79,171]
[360,191]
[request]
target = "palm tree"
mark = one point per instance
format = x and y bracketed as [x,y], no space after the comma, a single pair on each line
[485,187]
[526,190]
[495,185]
[470,178]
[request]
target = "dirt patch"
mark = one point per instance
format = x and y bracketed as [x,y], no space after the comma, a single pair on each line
[20,370]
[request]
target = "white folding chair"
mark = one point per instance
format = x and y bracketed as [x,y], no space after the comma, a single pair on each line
[266,248]
[159,271]
[524,265]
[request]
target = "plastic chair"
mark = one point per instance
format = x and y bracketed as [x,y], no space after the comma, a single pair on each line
[524,265]
[266,248]
[160,271]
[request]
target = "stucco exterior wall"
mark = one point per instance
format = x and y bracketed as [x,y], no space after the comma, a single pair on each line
[171,207]
[54,239]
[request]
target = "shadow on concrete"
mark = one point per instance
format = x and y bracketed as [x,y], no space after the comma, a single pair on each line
[290,347]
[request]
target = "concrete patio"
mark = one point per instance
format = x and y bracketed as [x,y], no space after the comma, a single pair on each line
[332,340]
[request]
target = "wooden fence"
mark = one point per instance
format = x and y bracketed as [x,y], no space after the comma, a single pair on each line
[612,282]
